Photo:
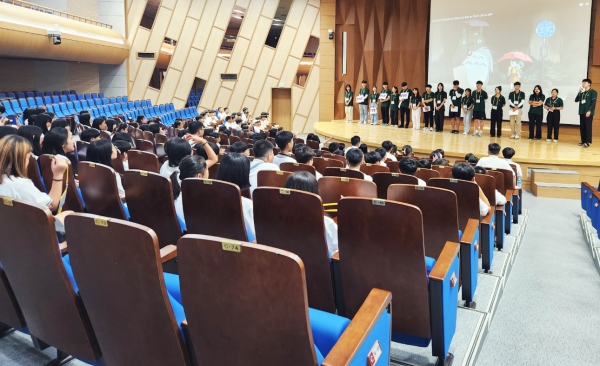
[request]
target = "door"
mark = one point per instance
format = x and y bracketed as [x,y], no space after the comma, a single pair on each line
[281,102]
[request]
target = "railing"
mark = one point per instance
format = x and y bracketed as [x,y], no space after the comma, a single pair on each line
[43,9]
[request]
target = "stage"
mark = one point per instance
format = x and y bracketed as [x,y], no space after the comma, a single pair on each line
[562,155]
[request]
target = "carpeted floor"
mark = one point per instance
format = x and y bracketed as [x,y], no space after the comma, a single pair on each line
[550,311]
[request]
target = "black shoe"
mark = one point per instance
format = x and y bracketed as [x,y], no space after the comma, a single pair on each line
[586,145]
[492,136]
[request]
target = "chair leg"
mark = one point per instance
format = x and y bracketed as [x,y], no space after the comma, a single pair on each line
[39,344]
[516,203]
[61,359]
[190,347]
[5,330]
[445,361]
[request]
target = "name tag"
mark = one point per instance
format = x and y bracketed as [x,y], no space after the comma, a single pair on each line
[393,102]
[414,105]
[454,97]
[477,100]
[583,101]
[494,107]
[426,109]
[439,102]
[458,95]
[465,106]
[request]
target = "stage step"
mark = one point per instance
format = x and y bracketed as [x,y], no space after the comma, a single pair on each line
[556,190]
[555,176]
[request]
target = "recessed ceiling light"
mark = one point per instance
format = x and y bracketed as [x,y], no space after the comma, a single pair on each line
[235,16]
[238,11]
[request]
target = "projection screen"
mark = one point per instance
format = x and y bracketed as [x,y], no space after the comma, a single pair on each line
[535,42]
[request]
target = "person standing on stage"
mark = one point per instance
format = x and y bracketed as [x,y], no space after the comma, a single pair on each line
[428,98]
[394,99]
[479,98]
[364,105]
[440,102]
[385,104]
[349,101]
[415,105]
[404,106]
[467,107]
[373,101]
[587,105]
[455,95]
[536,112]
[516,100]
[498,102]
[553,105]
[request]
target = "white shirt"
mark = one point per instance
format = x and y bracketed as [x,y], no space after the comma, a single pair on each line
[256,129]
[243,117]
[126,165]
[179,207]
[421,182]
[283,158]
[519,171]
[500,198]
[256,166]
[331,234]
[23,189]
[493,161]
[233,126]
[483,208]
[382,163]
[390,156]
[351,147]
[119,185]
[318,175]
[166,170]
[248,212]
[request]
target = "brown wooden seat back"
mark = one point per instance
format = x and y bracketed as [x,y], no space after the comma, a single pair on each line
[10,312]
[159,138]
[233,139]
[297,167]
[278,224]
[340,158]
[467,196]
[223,139]
[104,135]
[34,268]
[371,169]
[143,160]
[145,145]
[331,190]
[118,163]
[150,203]
[321,163]
[426,174]
[72,199]
[445,171]
[499,177]
[213,207]
[343,172]
[213,171]
[82,147]
[392,166]
[487,183]
[272,178]
[126,300]
[98,186]
[312,144]
[138,134]
[147,135]
[211,139]
[262,302]
[439,208]
[33,173]
[392,259]
[384,180]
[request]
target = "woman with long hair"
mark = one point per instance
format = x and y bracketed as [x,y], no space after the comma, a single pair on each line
[536,112]
[104,152]
[349,103]
[440,97]
[416,103]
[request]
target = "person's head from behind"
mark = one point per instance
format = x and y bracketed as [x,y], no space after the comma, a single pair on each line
[473,159]
[468,156]
[303,181]
[480,170]
[508,152]
[263,150]
[7,130]
[424,164]
[372,157]
[240,148]
[235,168]
[494,148]
[196,128]
[61,123]
[333,147]
[189,167]
[58,141]
[463,171]
[407,150]
[364,148]
[33,134]
[141,119]
[123,147]
[44,122]
[101,152]
[304,155]
[355,158]
[154,128]
[441,162]
[201,152]
[121,127]
[122,136]
[285,141]
[355,141]
[176,124]
[89,135]
[382,152]
[111,125]
[176,149]
[387,145]
[85,118]
[14,156]
[99,124]
[407,166]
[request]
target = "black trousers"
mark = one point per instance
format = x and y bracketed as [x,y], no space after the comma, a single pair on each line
[553,121]
[585,128]
[394,116]
[428,119]
[535,121]
[496,123]
[385,115]
[439,120]
[403,111]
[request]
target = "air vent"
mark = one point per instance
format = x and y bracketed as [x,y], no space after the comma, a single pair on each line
[228,76]
[146,55]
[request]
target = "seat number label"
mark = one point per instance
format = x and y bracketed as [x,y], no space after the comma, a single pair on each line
[374,354]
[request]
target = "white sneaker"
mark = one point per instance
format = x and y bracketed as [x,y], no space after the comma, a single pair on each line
[517,137]
[430,128]
[480,133]
[475,133]
[466,133]
[425,128]
[555,140]
[548,140]
[512,136]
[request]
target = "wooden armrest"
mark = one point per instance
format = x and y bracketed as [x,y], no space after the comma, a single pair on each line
[500,207]
[515,192]
[444,261]
[336,256]
[168,252]
[488,219]
[354,336]
[63,247]
[184,323]
[469,233]
[508,195]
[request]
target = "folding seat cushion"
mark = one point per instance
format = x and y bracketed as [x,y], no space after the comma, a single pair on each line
[98,102]
[39,101]
[16,107]
[84,104]
[23,104]
[91,103]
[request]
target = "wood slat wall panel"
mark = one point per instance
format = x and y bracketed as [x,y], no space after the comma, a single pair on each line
[289,71]
[139,45]
[298,123]
[184,44]
[283,49]
[264,102]
[311,89]
[210,53]
[188,74]
[313,116]
[151,94]
[243,3]
[197,8]
[257,41]
[223,16]
[306,26]
[238,55]
[168,3]
[298,7]
[169,86]
[296,96]
[223,98]
[251,17]
[250,103]
[260,74]
[134,16]
[206,22]
[241,87]
[178,19]
[269,9]
[213,84]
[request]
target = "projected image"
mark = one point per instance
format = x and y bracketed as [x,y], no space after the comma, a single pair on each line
[534,42]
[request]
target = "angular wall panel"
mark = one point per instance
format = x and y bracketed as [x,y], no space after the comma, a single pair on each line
[283,49]
[184,43]
[210,53]
[260,74]
[237,55]
[253,9]
[179,15]
[257,41]
[188,74]
[241,87]
[297,9]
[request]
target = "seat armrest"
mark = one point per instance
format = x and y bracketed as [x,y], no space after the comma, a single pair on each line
[509,194]
[444,261]
[487,220]
[353,338]
[469,232]
[168,252]
[63,247]
[336,256]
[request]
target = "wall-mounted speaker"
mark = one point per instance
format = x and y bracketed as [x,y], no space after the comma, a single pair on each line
[228,76]
[146,55]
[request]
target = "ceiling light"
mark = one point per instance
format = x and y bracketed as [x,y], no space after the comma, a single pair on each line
[237,17]
[238,11]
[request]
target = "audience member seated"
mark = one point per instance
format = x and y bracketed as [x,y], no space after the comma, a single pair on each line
[500,198]
[33,134]
[100,124]
[465,171]
[372,157]
[240,148]
[407,151]
[473,159]
[364,148]
[424,164]
[508,153]
[84,119]
[305,155]
[263,160]
[111,125]
[58,142]
[104,152]
[354,143]
[441,162]
[7,130]
[285,142]
[388,146]
[142,120]
[90,135]
[409,166]
[123,147]
[355,159]
[123,136]
[176,149]
[154,128]
[43,121]
[382,156]
[333,147]
[304,181]
[61,123]
[493,160]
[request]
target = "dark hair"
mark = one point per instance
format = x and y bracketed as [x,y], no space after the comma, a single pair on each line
[381,151]
[304,154]
[33,135]
[404,83]
[428,86]
[508,152]
[494,148]
[194,127]
[554,90]
[480,170]
[417,89]
[176,149]
[235,168]
[100,152]
[338,152]
[27,112]
[262,148]
[297,147]
[283,139]
[424,163]
[364,81]
[468,156]
[348,86]
[439,86]
[176,124]
[586,81]
[182,133]
[364,148]
[303,181]
[539,87]
[154,128]
[97,122]
[122,146]
[372,157]
[60,123]
[140,118]
[200,150]
[479,82]
[134,124]
[499,87]
[89,134]
[407,166]
[473,160]
[333,147]
[354,140]
[189,167]
[517,83]
[54,141]
[354,157]
[468,90]
[407,150]
[122,127]
[7,130]
[441,162]
[463,171]
[455,82]
[41,120]
[342,145]
[311,136]
[110,125]
[385,83]
[238,147]
[123,136]
[387,145]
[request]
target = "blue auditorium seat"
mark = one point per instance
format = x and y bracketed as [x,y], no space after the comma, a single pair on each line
[48,94]
[105,101]
[87,96]
[137,104]
[80,97]
[20,95]
[72,92]
[23,103]
[72,97]
[63,98]
[56,93]
[100,95]
[2,95]
[47,100]
[112,100]
[71,108]
[125,99]
[8,107]
[144,103]
[29,95]
[31,102]
[39,94]
[94,95]
[57,111]
[118,99]
[15,107]
[39,101]
[65,92]
[77,106]
[113,110]
[55,99]
[84,104]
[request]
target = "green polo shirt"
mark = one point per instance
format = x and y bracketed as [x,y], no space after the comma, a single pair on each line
[349,95]
[415,99]
[516,98]
[394,98]
[466,101]
[427,96]
[585,100]
[480,96]
[556,103]
[439,98]
[373,97]
[364,92]
[389,93]
[405,102]
[455,96]
[498,102]
[536,98]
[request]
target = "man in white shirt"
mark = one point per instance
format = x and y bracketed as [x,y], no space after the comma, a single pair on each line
[354,142]
[355,159]
[494,161]
[263,160]
[388,145]
[508,153]
[465,171]
[409,166]
[285,142]
[256,127]
[245,114]
[304,155]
